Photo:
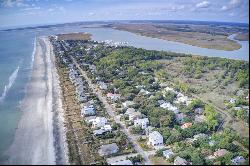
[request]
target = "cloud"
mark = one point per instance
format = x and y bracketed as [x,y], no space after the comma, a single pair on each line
[91,13]
[13,3]
[231,5]
[31,8]
[203,4]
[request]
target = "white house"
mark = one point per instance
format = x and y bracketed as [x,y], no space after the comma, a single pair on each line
[88,110]
[132,114]
[123,162]
[143,123]
[168,153]
[102,85]
[155,139]
[127,103]
[232,101]
[113,97]
[106,128]
[99,122]
[238,160]
[180,161]
[170,107]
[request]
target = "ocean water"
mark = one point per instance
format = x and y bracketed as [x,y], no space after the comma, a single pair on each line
[15,66]
[16,57]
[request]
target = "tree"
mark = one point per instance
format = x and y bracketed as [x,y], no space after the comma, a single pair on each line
[211,116]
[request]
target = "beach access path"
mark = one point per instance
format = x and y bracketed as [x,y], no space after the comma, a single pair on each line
[35,136]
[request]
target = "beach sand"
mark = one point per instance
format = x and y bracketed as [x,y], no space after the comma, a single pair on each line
[40,136]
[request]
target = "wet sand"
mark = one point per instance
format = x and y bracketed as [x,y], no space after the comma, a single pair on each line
[40,137]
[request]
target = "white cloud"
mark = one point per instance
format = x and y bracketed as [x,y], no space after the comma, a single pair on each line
[31,8]
[12,3]
[203,4]
[232,5]
[91,13]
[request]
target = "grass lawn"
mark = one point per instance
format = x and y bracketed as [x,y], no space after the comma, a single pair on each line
[159,160]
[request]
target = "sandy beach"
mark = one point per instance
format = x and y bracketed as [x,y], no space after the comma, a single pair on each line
[40,136]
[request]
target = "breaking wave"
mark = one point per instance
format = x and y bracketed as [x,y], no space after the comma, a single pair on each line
[7,87]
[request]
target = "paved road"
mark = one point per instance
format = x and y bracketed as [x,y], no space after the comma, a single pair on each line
[111,113]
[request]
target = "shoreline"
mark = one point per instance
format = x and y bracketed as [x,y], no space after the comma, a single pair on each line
[40,129]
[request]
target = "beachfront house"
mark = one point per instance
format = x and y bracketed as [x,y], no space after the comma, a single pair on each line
[108,149]
[122,162]
[180,161]
[143,123]
[88,110]
[168,153]
[155,139]
[99,122]
[238,160]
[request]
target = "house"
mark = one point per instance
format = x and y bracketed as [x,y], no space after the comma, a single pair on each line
[98,132]
[155,139]
[180,161]
[149,130]
[143,91]
[90,119]
[102,85]
[141,122]
[180,117]
[113,97]
[232,101]
[238,160]
[108,149]
[88,110]
[106,128]
[220,152]
[168,153]
[198,111]
[170,107]
[127,104]
[200,118]
[123,162]
[132,114]
[186,125]
[99,122]
[201,135]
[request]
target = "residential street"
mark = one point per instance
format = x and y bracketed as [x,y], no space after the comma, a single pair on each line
[111,111]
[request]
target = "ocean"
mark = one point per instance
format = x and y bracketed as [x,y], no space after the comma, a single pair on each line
[16,57]
[15,67]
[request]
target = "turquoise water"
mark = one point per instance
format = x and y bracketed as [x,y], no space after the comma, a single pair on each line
[16,58]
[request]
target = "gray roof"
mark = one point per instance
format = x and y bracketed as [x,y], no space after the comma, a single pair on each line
[108,149]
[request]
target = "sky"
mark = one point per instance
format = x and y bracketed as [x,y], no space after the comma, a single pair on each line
[38,12]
